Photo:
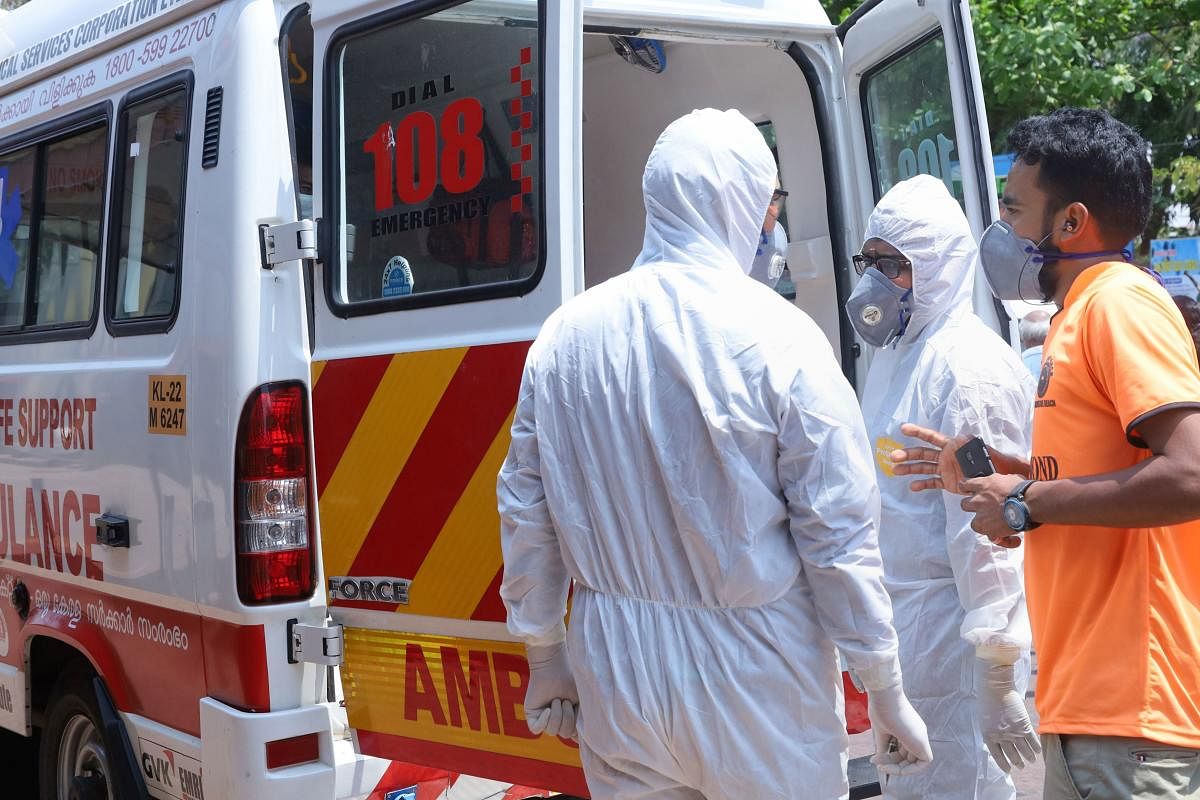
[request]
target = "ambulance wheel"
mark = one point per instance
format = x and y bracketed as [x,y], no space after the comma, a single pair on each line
[72,764]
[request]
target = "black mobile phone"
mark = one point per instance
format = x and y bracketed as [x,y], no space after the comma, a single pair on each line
[973,459]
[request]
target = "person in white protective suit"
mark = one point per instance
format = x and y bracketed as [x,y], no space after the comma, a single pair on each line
[958,600]
[686,450]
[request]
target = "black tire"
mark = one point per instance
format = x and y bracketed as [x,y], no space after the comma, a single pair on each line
[73,722]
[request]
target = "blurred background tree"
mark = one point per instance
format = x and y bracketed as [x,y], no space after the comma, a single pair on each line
[1137,59]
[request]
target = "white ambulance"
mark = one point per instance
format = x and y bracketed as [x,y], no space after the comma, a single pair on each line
[268,273]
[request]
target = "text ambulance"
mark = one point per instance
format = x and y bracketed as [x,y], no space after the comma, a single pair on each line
[268,273]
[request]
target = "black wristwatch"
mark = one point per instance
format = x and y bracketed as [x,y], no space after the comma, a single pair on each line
[1016,513]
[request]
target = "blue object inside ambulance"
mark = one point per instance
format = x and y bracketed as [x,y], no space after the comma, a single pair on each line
[645,53]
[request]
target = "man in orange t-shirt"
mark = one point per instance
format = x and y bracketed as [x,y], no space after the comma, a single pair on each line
[1108,503]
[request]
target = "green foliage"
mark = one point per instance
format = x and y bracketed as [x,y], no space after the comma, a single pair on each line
[838,10]
[1138,59]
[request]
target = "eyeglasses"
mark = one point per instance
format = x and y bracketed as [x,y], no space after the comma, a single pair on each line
[778,197]
[890,266]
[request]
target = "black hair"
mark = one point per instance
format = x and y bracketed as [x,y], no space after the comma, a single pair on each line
[1087,156]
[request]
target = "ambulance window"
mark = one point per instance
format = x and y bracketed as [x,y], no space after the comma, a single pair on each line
[438,195]
[51,217]
[16,212]
[150,162]
[910,118]
[69,233]
[297,51]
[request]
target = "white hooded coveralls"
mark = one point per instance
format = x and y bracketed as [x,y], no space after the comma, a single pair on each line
[951,588]
[686,449]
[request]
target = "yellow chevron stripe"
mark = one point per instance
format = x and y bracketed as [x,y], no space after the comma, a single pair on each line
[466,554]
[400,409]
[317,368]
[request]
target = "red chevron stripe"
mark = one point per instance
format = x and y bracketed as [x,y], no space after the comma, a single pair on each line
[340,399]
[496,766]
[472,410]
[491,607]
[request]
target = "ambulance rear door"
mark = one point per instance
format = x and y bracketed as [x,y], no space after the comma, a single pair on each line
[914,105]
[448,203]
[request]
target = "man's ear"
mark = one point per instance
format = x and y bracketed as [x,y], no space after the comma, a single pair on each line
[1078,224]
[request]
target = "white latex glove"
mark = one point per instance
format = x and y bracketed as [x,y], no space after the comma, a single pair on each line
[901,741]
[551,702]
[1003,720]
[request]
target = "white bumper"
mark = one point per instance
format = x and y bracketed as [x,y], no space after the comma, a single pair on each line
[233,750]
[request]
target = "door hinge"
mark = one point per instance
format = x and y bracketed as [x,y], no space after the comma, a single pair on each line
[315,644]
[288,241]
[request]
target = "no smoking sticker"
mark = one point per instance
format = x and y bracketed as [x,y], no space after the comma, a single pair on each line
[167,405]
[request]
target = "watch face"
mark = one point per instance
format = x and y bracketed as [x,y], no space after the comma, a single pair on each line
[1014,514]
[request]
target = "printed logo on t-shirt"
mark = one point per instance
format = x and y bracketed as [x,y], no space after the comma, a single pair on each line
[1044,383]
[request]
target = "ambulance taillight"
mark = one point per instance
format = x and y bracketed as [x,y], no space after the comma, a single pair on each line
[275,549]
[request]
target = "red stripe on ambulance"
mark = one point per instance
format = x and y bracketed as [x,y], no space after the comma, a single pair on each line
[473,408]
[339,401]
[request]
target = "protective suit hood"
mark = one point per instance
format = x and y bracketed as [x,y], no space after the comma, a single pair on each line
[707,186]
[923,221]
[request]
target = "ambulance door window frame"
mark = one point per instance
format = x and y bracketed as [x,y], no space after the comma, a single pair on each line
[139,326]
[285,37]
[976,133]
[983,185]
[331,169]
[39,136]
[864,88]
[843,284]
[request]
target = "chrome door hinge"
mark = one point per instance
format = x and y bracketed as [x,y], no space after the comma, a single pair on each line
[289,241]
[314,644]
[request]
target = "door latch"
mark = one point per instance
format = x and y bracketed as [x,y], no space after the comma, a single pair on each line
[314,644]
[289,241]
[112,530]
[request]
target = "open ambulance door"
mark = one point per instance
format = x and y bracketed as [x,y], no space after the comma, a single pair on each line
[915,105]
[448,206]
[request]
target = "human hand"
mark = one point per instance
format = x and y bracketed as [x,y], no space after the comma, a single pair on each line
[937,461]
[1003,718]
[901,740]
[551,701]
[985,500]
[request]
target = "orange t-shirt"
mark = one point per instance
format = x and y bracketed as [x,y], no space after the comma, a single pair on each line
[1115,611]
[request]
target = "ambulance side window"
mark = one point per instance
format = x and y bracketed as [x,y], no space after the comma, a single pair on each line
[910,119]
[147,239]
[437,196]
[17,170]
[51,217]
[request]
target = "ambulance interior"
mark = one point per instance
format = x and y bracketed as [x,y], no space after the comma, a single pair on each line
[625,108]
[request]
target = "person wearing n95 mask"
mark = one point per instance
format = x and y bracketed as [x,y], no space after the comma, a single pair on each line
[958,600]
[686,450]
[771,256]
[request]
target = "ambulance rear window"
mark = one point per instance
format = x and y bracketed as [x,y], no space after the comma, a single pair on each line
[908,107]
[438,195]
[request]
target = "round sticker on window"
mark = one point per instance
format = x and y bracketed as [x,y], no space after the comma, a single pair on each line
[397,277]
